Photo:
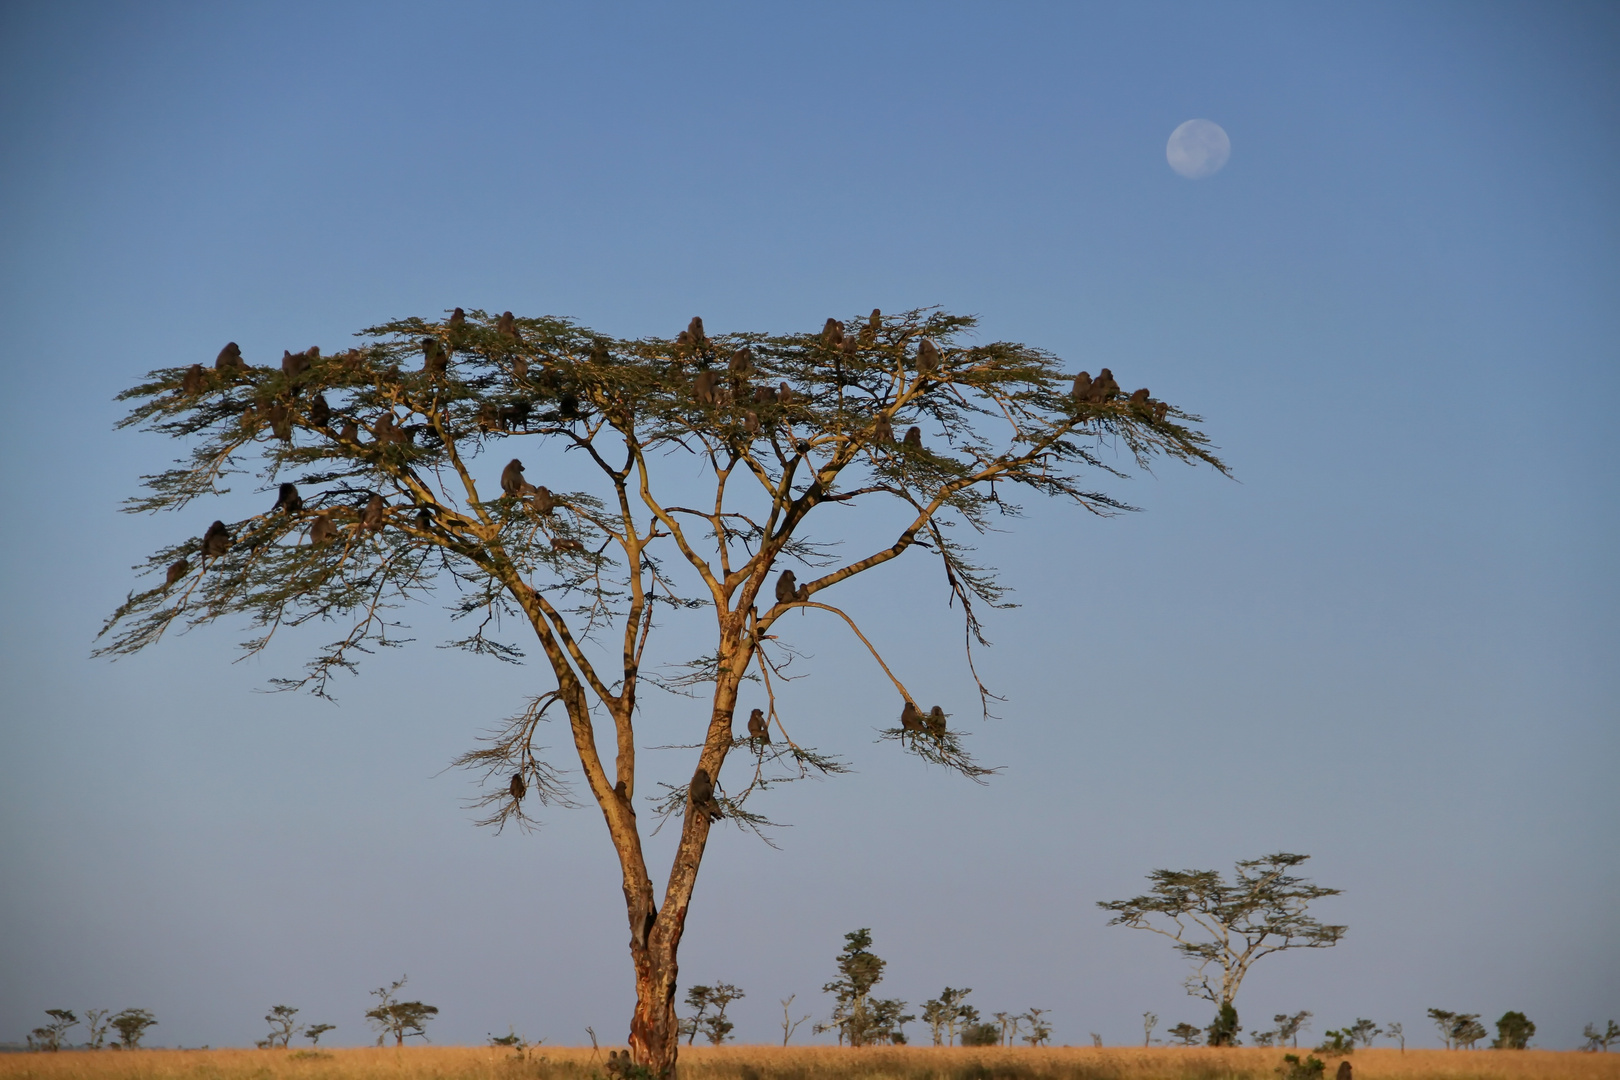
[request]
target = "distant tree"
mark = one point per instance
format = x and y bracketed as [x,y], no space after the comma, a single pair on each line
[314,1032]
[95,1022]
[512,1041]
[1459,1030]
[980,1034]
[944,1013]
[282,1027]
[1187,1033]
[1395,1031]
[1007,1023]
[1600,1040]
[1230,926]
[1040,1032]
[401,1019]
[1339,1042]
[1289,1027]
[790,1025]
[716,1028]
[1263,1038]
[1096,1041]
[860,1019]
[131,1025]
[1513,1032]
[1149,1022]
[1224,1030]
[697,999]
[1364,1031]
[49,1036]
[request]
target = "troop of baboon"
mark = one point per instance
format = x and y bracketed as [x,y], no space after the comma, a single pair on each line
[716,381]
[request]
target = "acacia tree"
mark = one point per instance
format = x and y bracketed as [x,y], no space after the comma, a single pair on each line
[391,442]
[1229,925]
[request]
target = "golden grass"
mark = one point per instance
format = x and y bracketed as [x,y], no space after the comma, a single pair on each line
[800,1063]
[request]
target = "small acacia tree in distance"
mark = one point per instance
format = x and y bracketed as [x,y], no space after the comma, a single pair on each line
[131,1025]
[282,1027]
[1186,1033]
[314,1032]
[1600,1038]
[48,1037]
[1513,1032]
[401,1019]
[1229,925]
[381,456]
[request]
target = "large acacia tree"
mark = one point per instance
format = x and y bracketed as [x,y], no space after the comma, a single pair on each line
[392,448]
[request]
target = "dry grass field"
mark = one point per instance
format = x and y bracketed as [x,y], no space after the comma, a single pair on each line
[799,1063]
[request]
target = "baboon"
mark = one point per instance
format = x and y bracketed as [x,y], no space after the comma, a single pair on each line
[512,482]
[622,790]
[514,415]
[927,357]
[832,334]
[280,422]
[489,416]
[874,323]
[383,429]
[936,721]
[560,544]
[787,590]
[216,541]
[1104,388]
[320,413]
[615,1064]
[1082,387]
[294,364]
[1140,405]
[568,406]
[177,570]
[350,432]
[741,364]
[506,326]
[434,359]
[702,793]
[883,431]
[784,394]
[230,358]
[458,320]
[520,367]
[194,380]
[764,395]
[703,387]
[849,347]
[289,500]
[683,340]
[372,516]
[1343,1072]
[751,422]
[322,530]
[518,787]
[914,437]
[542,501]
[758,727]
[1161,409]
[694,329]
[910,718]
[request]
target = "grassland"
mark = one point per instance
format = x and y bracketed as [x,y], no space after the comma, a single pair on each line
[799,1063]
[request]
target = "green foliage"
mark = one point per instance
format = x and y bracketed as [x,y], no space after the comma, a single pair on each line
[1260,912]
[1364,1031]
[1292,1068]
[131,1025]
[1337,1043]
[1458,1030]
[1224,1030]
[860,1019]
[1188,1034]
[715,1027]
[981,1034]
[1289,1027]
[314,1032]
[1600,1040]
[1513,1032]
[401,1019]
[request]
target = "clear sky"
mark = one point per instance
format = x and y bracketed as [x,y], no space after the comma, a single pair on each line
[1390,642]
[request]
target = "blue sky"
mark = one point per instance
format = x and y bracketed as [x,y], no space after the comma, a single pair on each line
[1390,642]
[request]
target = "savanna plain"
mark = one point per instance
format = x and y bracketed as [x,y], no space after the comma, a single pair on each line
[803,1063]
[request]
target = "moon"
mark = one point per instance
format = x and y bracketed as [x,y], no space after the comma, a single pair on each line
[1198,148]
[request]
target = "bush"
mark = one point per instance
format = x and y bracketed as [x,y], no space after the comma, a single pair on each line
[981,1035]
[1292,1068]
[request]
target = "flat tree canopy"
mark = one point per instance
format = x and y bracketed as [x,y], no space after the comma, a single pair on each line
[382,498]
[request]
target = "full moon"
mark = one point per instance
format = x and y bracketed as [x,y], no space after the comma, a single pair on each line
[1197,149]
